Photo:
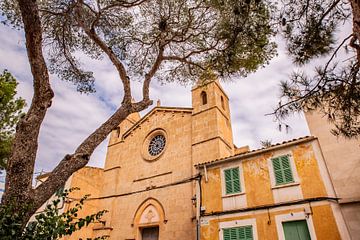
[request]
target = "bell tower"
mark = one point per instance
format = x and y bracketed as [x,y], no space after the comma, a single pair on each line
[211,124]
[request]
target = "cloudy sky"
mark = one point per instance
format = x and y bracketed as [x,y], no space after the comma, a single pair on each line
[73,116]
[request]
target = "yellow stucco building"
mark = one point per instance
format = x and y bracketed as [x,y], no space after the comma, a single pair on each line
[280,192]
[176,174]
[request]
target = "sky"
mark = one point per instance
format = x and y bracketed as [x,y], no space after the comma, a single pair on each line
[73,116]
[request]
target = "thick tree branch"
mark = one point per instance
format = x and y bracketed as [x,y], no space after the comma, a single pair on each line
[152,72]
[21,163]
[71,163]
[143,36]
[91,33]
[354,43]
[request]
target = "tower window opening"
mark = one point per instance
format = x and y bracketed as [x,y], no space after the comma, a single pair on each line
[118,132]
[222,103]
[204,97]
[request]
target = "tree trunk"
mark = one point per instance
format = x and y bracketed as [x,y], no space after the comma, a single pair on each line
[355,41]
[18,186]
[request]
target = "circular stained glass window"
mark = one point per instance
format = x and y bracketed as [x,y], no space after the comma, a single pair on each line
[157,145]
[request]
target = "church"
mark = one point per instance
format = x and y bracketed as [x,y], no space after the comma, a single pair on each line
[175,173]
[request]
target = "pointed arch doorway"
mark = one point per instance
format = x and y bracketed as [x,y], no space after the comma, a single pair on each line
[149,220]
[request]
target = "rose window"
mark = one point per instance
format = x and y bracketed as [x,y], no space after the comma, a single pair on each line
[157,145]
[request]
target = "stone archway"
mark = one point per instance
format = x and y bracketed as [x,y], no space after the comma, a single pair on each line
[149,220]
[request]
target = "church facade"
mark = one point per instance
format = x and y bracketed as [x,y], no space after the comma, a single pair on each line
[176,174]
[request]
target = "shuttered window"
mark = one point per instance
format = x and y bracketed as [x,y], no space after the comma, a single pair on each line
[238,233]
[232,180]
[282,170]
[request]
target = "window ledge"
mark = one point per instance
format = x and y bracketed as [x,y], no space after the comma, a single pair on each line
[233,195]
[286,185]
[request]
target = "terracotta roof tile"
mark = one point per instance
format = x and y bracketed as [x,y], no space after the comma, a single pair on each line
[259,150]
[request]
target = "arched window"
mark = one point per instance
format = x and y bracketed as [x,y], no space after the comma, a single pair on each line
[203,97]
[222,103]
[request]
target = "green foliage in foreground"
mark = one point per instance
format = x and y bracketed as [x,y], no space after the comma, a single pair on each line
[10,112]
[48,224]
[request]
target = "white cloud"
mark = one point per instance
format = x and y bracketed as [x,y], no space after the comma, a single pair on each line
[73,116]
[69,121]
[253,97]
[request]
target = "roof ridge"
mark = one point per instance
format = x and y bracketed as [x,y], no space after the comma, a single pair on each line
[259,150]
[156,108]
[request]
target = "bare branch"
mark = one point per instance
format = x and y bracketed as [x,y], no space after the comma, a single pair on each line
[124,4]
[311,91]
[183,60]
[333,5]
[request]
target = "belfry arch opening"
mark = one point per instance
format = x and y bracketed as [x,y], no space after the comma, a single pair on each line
[203,96]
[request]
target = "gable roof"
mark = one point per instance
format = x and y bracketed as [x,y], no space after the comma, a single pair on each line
[258,151]
[153,111]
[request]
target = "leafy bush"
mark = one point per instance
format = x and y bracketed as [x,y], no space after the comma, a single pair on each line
[49,223]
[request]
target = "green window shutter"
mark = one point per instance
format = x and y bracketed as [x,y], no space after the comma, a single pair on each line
[238,233]
[228,181]
[236,180]
[241,233]
[278,171]
[282,170]
[227,234]
[233,233]
[232,180]
[288,176]
[248,233]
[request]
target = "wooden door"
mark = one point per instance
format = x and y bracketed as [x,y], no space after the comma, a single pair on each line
[296,230]
[150,233]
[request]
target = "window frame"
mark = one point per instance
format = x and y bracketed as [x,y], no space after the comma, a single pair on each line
[241,227]
[292,167]
[282,170]
[241,179]
[238,223]
[290,217]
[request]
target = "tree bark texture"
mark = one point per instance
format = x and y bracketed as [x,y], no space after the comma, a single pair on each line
[355,41]
[18,186]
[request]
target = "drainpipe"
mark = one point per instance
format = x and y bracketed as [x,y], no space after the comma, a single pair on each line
[198,206]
